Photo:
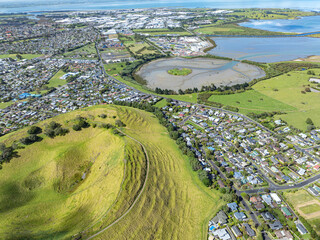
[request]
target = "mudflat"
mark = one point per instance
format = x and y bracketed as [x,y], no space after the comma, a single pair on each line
[205,71]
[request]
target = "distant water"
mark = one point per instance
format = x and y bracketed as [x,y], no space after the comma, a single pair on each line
[266,49]
[18,6]
[302,25]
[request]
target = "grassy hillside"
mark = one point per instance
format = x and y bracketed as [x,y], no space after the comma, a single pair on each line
[40,199]
[39,194]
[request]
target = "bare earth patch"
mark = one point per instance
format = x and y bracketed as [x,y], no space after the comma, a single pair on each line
[310,215]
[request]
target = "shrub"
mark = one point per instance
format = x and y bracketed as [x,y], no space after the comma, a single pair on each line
[76,127]
[35,130]
[103,115]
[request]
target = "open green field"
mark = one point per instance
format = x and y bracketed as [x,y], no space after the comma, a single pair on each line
[55,81]
[40,199]
[252,101]
[287,89]
[114,69]
[180,72]
[160,31]
[310,208]
[282,93]
[233,29]
[161,103]
[270,13]
[138,48]
[86,52]
[5,104]
[24,56]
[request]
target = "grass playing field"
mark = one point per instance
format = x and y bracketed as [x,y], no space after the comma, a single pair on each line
[86,52]
[24,56]
[5,104]
[40,200]
[55,81]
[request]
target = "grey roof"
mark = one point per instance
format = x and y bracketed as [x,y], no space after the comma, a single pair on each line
[301,228]
[276,225]
[233,206]
[221,218]
[249,230]
[236,231]
[267,216]
[240,215]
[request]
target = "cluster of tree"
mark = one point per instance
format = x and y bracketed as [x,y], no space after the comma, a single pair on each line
[175,134]
[33,136]
[119,123]
[264,115]
[80,122]
[6,153]
[277,69]
[54,129]
[203,98]
[103,116]
[164,91]
[310,124]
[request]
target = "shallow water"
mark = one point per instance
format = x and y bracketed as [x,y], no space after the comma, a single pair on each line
[302,25]
[266,49]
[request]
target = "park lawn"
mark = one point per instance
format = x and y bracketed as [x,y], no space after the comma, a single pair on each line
[310,208]
[24,56]
[287,89]
[55,81]
[175,203]
[39,198]
[259,102]
[5,104]
[84,52]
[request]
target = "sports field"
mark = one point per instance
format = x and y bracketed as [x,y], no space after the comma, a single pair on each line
[55,81]
[24,56]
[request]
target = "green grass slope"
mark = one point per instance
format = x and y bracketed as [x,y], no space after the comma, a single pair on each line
[41,196]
